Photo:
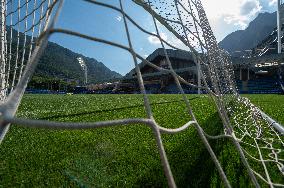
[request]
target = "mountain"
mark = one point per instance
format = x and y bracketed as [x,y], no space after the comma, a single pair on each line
[269,45]
[249,38]
[61,63]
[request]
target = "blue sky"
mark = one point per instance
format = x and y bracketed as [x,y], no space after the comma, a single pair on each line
[93,20]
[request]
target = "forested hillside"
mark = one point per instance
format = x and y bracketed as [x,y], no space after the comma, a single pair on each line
[60,64]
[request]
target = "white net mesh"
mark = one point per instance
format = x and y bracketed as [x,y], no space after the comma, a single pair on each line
[25,21]
[254,135]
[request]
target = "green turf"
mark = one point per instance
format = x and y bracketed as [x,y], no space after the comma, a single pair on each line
[118,156]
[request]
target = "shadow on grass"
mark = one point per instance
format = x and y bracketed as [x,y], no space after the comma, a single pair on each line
[109,110]
[192,165]
[190,161]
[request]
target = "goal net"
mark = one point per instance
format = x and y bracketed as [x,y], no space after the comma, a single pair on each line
[26,26]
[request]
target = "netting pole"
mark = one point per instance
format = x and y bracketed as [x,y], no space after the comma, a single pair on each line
[40,17]
[18,44]
[3,56]
[10,47]
[33,30]
[25,40]
[279,26]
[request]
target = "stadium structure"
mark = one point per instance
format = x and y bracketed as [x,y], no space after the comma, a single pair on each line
[256,73]
[162,82]
[261,69]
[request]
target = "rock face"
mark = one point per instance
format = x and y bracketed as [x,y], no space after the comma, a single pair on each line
[249,38]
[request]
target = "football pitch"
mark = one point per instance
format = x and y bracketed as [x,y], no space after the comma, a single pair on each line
[123,156]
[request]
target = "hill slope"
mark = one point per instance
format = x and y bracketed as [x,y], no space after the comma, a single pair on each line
[246,39]
[59,62]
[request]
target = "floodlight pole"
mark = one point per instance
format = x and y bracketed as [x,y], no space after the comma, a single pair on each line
[86,75]
[280,17]
[3,44]
[84,68]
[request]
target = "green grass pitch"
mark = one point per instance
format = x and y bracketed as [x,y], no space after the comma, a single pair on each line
[123,156]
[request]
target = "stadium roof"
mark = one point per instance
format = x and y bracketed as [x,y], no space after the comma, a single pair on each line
[159,53]
[173,54]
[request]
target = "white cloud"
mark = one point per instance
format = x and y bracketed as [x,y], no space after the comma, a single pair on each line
[272,2]
[230,15]
[234,13]
[154,40]
[168,37]
[250,7]
[118,18]
[237,12]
